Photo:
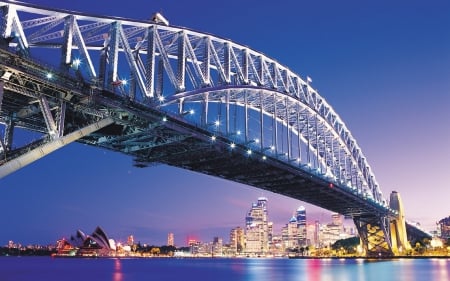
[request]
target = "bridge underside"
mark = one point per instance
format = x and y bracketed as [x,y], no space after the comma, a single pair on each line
[198,152]
[178,145]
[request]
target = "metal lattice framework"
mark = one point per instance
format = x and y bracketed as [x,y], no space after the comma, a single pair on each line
[152,77]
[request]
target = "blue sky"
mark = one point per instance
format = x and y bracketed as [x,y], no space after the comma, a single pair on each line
[383,66]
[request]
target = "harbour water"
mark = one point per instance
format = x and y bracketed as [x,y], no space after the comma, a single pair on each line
[221,269]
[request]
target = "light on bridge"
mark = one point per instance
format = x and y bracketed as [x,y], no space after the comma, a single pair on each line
[161,98]
[192,112]
[213,138]
[249,152]
[264,157]
[232,145]
[49,75]
[76,62]
[217,123]
[238,133]
[164,119]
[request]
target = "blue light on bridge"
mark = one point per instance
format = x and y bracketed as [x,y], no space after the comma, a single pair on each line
[76,63]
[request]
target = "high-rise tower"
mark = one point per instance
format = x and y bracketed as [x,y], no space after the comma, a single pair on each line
[301,226]
[170,239]
[257,228]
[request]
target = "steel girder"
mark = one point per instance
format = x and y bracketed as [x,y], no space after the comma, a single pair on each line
[185,90]
[166,61]
[374,232]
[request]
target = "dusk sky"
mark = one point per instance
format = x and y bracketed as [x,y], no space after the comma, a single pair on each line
[384,66]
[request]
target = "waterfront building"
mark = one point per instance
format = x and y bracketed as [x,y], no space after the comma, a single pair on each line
[289,234]
[257,228]
[170,239]
[333,231]
[96,244]
[312,235]
[236,240]
[217,247]
[316,234]
[444,227]
[276,247]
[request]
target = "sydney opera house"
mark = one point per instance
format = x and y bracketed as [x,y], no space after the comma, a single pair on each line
[95,245]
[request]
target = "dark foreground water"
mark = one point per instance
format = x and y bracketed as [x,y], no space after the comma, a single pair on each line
[67,269]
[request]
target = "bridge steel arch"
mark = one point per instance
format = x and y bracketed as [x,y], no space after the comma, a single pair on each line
[167,94]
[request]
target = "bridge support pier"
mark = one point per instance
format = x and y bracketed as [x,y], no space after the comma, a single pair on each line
[375,236]
[400,242]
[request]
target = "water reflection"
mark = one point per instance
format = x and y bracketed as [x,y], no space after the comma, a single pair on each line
[313,269]
[43,268]
[117,274]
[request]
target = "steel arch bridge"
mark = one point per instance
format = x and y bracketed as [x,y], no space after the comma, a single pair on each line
[166,94]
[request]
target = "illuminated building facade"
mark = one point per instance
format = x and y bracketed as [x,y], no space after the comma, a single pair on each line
[237,240]
[289,234]
[444,226]
[170,239]
[96,244]
[301,226]
[257,228]
[130,240]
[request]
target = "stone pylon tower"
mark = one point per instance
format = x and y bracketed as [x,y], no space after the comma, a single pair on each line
[399,240]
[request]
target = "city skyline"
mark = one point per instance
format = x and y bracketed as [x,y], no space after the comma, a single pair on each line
[257,214]
[383,67]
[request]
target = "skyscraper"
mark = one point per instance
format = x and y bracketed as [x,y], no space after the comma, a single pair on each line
[237,240]
[301,226]
[289,234]
[170,241]
[444,225]
[257,228]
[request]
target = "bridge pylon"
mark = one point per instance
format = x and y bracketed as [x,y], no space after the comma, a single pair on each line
[400,243]
[384,236]
[374,233]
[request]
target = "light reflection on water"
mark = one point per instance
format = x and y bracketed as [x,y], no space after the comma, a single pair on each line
[217,269]
[117,275]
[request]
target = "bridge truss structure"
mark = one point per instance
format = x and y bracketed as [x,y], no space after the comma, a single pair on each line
[171,95]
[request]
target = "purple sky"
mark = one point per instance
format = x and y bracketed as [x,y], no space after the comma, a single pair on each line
[383,66]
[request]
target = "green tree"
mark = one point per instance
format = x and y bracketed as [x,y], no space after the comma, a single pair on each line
[349,244]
